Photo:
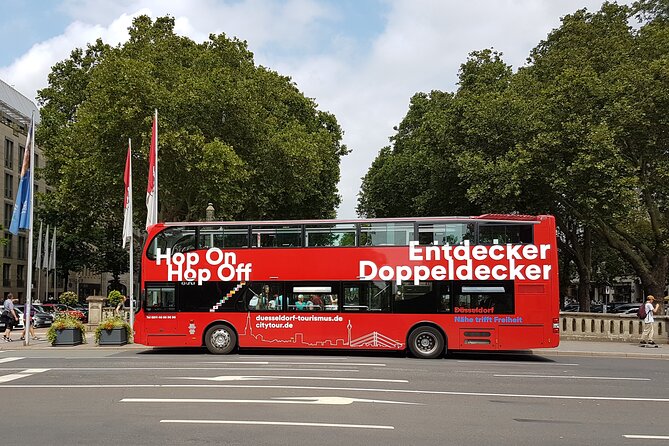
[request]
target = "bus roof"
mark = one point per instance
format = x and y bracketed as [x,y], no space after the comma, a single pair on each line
[484,218]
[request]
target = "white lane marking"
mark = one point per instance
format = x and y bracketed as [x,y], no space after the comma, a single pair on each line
[336,389]
[217,369]
[11,358]
[256,378]
[647,437]
[572,377]
[523,363]
[280,423]
[318,400]
[11,377]
[236,362]
[340,364]
[23,374]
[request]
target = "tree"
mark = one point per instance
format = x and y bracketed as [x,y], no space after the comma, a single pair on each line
[599,89]
[581,133]
[231,133]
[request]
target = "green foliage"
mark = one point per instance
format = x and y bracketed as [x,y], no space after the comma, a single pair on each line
[62,322]
[68,298]
[112,323]
[113,298]
[580,132]
[228,130]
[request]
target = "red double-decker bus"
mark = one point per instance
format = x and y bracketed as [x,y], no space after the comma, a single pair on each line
[428,285]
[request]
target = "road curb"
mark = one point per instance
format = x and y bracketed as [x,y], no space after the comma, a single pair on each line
[601,354]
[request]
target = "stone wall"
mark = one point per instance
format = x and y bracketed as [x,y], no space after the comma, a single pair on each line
[608,327]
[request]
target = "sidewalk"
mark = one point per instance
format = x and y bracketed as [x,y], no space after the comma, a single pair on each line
[566,348]
[42,343]
[611,349]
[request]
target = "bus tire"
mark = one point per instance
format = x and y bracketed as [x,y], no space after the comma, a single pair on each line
[220,339]
[426,342]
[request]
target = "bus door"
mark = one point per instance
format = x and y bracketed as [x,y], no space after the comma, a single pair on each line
[161,316]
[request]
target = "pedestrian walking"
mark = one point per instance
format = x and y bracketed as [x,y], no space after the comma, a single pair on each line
[120,310]
[8,316]
[649,321]
[31,328]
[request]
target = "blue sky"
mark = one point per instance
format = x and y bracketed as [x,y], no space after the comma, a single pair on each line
[359,59]
[26,22]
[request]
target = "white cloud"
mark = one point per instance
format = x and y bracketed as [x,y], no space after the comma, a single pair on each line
[29,72]
[258,21]
[420,50]
[367,87]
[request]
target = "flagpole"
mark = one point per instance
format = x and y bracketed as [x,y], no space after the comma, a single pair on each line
[156,118]
[39,260]
[132,281]
[45,264]
[152,183]
[31,135]
[53,248]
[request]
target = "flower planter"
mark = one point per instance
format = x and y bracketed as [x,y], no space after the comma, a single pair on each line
[68,336]
[115,336]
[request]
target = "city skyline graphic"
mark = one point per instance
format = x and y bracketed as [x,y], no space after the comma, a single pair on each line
[368,340]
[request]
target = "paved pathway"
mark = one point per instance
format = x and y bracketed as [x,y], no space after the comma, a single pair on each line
[566,348]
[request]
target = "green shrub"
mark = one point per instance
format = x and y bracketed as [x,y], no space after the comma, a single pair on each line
[62,322]
[110,324]
[114,297]
[69,298]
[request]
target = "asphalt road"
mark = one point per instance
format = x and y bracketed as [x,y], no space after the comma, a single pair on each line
[184,397]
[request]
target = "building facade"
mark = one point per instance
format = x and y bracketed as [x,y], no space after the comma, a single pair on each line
[15,114]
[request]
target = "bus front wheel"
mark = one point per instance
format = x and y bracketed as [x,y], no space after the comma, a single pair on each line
[220,339]
[426,342]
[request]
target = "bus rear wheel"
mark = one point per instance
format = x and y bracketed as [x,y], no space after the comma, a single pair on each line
[220,339]
[426,342]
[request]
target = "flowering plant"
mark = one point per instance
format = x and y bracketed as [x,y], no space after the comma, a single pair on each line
[112,323]
[62,322]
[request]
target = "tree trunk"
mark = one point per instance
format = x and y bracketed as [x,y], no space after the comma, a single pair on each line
[653,282]
[581,248]
[584,289]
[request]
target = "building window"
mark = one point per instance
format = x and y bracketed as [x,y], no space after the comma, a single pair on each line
[36,161]
[8,246]
[23,248]
[9,210]
[6,274]
[9,153]
[20,275]
[9,185]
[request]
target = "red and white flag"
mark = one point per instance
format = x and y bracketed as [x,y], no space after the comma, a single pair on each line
[127,201]
[152,187]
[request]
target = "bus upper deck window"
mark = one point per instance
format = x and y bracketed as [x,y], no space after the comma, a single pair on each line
[445,233]
[224,237]
[276,236]
[176,239]
[500,233]
[386,234]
